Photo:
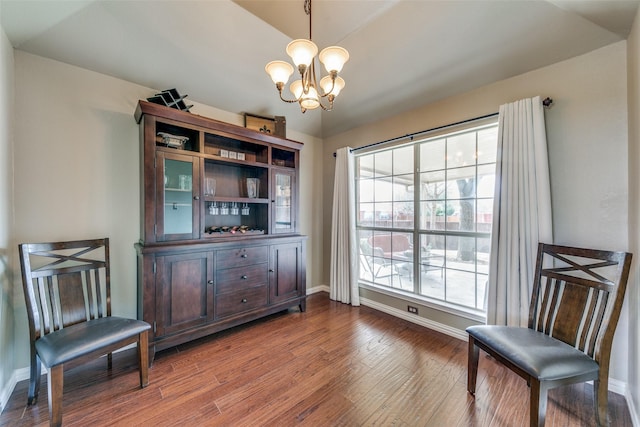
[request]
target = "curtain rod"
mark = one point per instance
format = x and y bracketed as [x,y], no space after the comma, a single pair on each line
[547,102]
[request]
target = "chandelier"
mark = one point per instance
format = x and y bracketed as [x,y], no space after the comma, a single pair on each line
[305,90]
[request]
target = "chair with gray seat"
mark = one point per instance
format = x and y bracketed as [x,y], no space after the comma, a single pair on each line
[67,291]
[575,305]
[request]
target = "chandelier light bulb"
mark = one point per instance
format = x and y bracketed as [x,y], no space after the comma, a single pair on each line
[333,58]
[310,100]
[279,71]
[327,85]
[296,88]
[302,51]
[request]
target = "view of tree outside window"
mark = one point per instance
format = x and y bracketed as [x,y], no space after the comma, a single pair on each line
[424,216]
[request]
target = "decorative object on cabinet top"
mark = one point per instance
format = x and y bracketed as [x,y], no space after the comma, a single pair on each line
[171,98]
[276,125]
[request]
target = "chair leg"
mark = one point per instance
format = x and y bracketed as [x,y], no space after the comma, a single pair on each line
[472,368]
[601,401]
[143,358]
[34,379]
[56,385]
[537,403]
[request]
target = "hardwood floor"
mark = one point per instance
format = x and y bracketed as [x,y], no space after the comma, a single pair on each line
[334,365]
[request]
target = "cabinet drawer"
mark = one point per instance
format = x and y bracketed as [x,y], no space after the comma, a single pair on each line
[229,258]
[239,301]
[233,279]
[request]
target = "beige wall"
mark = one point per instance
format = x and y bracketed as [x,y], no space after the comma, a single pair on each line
[77,169]
[587,139]
[6,215]
[633,293]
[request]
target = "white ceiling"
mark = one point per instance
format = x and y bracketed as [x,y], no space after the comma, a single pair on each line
[404,53]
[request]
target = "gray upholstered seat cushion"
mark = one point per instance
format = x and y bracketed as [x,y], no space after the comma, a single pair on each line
[82,338]
[537,354]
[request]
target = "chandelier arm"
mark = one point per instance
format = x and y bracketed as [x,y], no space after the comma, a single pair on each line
[290,101]
[329,108]
[309,77]
[280,86]
[333,85]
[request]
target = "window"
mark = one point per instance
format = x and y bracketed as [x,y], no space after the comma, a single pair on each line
[424,214]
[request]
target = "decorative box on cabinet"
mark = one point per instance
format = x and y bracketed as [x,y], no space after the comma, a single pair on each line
[199,270]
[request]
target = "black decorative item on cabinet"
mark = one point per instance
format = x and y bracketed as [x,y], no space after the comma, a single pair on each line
[219,239]
[170,98]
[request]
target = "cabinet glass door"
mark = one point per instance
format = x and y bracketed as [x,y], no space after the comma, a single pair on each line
[177,214]
[283,203]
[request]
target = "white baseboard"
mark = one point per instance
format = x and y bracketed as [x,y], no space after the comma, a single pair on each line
[6,390]
[617,386]
[439,327]
[633,410]
[17,376]
[318,288]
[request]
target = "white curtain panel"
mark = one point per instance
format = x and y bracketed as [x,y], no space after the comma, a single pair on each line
[521,211]
[343,282]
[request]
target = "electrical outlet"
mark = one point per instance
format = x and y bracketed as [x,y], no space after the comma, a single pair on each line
[412,309]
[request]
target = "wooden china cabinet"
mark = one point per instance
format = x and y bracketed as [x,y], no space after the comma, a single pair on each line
[219,239]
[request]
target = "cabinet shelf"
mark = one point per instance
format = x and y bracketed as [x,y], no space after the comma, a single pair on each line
[235,199]
[218,234]
[240,163]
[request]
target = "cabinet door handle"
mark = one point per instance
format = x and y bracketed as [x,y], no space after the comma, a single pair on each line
[196,197]
[210,282]
[244,300]
[244,276]
[244,255]
[271,270]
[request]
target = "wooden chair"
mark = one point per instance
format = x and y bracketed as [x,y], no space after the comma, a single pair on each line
[68,299]
[575,306]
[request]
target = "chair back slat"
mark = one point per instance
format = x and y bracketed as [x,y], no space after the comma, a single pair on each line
[586,332]
[569,312]
[65,283]
[71,296]
[577,295]
[597,322]
[546,314]
[41,292]
[99,305]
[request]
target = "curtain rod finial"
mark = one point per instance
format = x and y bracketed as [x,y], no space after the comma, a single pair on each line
[547,102]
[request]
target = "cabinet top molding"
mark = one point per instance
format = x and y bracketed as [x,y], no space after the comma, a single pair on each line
[162,111]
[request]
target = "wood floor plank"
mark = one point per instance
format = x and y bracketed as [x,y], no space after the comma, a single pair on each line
[333,365]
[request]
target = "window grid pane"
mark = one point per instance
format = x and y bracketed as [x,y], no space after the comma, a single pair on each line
[449,261]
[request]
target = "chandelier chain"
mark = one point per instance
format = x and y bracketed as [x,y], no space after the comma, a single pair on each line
[307,10]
